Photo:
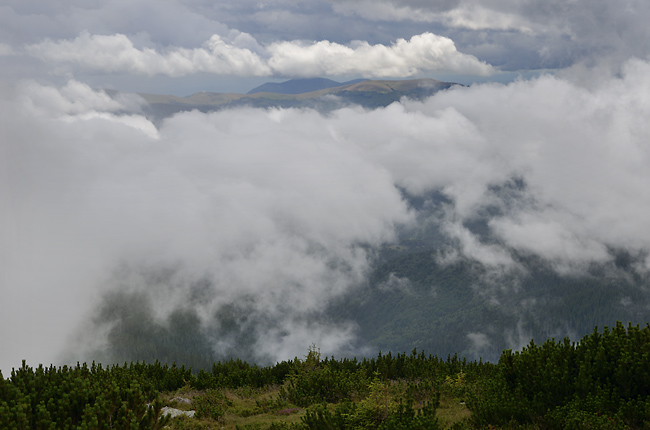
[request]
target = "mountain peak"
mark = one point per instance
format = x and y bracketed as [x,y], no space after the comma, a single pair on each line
[299,86]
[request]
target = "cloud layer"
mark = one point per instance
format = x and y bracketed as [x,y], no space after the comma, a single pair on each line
[117,54]
[281,209]
[266,206]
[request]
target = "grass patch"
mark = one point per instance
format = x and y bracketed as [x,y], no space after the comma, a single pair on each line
[452,410]
[260,409]
[247,409]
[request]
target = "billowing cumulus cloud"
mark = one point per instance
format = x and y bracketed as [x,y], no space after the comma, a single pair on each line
[423,53]
[117,54]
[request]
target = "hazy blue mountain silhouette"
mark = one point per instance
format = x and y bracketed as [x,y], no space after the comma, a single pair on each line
[299,86]
[313,93]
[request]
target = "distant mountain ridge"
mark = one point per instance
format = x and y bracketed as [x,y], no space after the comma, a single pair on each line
[300,86]
[299,93]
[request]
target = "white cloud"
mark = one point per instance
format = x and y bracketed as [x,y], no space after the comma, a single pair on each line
[76,101]
[73,98]
[387,10]
[477,17]
[552,236]
[394,283]
[466,15]
[266,205]
[490,255]
[426,52]
[6,50]
[137,122]
[479,343]
[581,152]
[117,54]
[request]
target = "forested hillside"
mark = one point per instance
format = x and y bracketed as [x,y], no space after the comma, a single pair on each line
[422,295]
[415,296]
[415,301]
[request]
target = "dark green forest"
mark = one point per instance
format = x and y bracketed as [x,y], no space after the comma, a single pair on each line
[437,305]
[600,382]
[418,297]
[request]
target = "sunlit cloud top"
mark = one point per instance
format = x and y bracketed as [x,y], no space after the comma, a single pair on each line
[117,54]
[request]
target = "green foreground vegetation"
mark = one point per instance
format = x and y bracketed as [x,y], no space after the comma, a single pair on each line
[601,382]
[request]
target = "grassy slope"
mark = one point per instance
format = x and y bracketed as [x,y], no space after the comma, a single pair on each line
[245,412]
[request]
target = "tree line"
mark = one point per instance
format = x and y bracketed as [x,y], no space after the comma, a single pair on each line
[603,381]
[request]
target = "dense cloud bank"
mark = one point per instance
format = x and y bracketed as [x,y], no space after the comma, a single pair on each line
[249,222]
[243,56]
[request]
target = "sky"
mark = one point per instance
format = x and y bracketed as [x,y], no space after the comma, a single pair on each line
[281,209]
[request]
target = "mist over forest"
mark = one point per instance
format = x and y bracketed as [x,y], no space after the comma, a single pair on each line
[466,220]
